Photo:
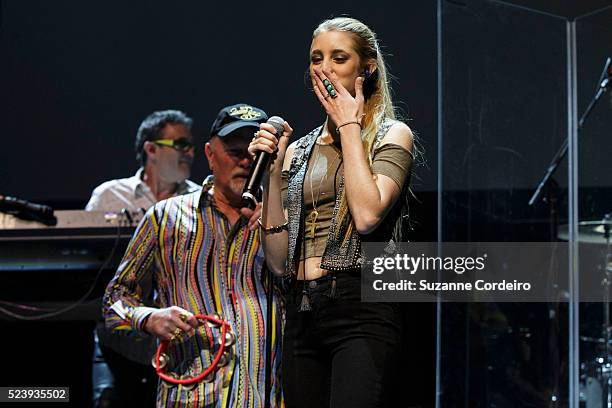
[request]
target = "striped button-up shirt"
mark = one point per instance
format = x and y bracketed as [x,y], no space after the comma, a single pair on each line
[187,251]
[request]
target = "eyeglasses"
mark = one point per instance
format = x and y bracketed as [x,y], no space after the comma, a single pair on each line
[182,144]
[237,153]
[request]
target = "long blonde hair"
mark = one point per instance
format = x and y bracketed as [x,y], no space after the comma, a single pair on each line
[377,92]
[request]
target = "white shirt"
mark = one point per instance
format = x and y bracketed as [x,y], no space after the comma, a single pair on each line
[131,193]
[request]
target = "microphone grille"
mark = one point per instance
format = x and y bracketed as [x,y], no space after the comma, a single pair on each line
[278,123]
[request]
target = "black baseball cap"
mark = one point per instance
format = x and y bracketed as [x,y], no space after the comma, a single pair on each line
[235,117]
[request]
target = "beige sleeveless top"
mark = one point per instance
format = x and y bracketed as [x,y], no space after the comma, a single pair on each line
[323,176]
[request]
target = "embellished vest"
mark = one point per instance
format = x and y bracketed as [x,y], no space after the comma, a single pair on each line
[340,254]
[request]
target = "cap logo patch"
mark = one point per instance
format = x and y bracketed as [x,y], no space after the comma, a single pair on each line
[245,113]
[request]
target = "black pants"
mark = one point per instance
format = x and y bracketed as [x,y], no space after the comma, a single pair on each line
[343,352]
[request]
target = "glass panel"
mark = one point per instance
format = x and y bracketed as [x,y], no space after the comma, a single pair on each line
[594,39]
[503,117]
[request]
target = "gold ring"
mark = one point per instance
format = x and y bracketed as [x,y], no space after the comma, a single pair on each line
[175,333]
[184,317]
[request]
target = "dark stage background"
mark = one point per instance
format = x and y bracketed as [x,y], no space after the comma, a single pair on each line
[77,78]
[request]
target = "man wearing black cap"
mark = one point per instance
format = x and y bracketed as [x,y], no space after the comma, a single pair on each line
[201,254]
[230,135]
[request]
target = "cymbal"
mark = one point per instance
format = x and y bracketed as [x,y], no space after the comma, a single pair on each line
[598,340]
[590,232]
[601,223]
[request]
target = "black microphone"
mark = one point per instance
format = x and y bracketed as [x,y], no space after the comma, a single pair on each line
[262,159]
[27,210]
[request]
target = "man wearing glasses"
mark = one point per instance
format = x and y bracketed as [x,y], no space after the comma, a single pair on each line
[164,148]
[122,373]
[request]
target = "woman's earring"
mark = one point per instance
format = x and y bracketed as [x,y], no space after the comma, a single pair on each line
[366,73]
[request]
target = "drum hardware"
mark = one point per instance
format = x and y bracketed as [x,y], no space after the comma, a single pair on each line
[596,375]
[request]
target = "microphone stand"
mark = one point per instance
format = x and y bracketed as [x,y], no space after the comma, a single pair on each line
[604,85]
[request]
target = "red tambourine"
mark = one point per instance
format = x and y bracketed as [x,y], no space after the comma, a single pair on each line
[221,359]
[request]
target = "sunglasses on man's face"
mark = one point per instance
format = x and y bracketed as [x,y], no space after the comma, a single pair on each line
[182,144]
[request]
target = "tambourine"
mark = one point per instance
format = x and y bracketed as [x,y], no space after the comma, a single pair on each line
[221,359]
